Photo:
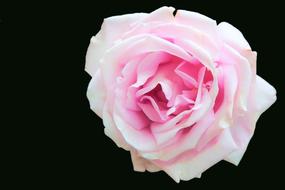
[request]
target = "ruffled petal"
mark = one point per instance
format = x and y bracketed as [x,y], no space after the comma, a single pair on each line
[152,110]
[134,46]
[184,142]
[148,66]
[166,131]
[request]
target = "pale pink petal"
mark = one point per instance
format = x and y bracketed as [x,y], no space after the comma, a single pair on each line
[199,53]
[134,46]
[228,84]
[131,99]
[232,36]
[244,72]
[191,165]
[186,72]
[152,109]
[112,131]
[142,139]
[198,21]
[201,75]
[148,66]
[158,80]
[163,14]
[140,164]
[243,128]
[223,116]
[178,31]
[96,93]
[123,88]
[182,99]
[164,79]
[265,95]
[175,30]
[205,59]
[165,131]
[241,135]
[112,28]
[184,142]
[156,127]
[136,119]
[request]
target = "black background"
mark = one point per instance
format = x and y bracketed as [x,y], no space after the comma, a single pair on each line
[51,41]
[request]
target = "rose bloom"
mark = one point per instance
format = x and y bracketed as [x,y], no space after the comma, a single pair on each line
[179,92]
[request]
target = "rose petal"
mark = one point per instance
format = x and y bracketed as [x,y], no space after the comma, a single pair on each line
[205,59]
[181,32]
[152,109]
[132,47]
[229,83]
[165,131]
[191,165]
[175,30]
[243,68]
[242,135]
[184,142]
[140,164]
[142,140]
[96,93]
[186,72]
[106,38]
[197,21]
[163,14]
[265,95]
[232,36]
[148,66]
[112,131]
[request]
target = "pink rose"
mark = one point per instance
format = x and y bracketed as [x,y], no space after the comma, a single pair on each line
[179,92]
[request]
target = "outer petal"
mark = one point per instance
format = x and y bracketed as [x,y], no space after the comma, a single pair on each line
[265,95]
[197,21]
[232,36]
[96,93]
[242,131]
[111,130]
[192,166]
[163,14]
[172,31]
[244,71]
[140,164]
[111,30]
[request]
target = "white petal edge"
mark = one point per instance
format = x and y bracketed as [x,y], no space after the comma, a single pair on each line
[96,93]
[232,36]
[265,95]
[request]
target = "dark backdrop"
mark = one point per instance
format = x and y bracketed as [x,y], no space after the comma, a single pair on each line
[53,39]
